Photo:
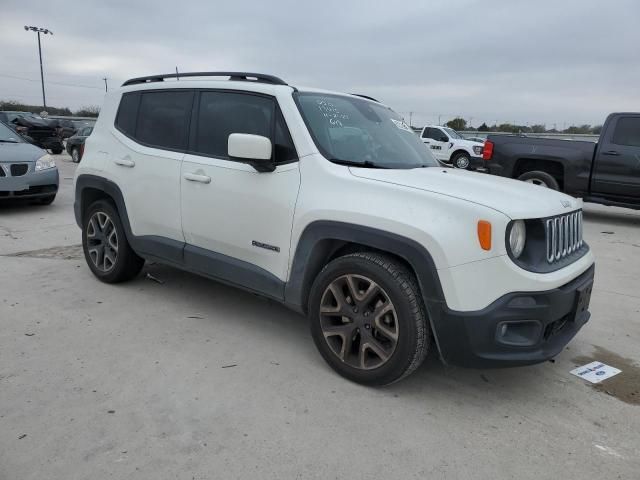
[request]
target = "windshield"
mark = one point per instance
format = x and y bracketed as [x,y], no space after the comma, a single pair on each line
[360,132]
[8,135]
[453,134]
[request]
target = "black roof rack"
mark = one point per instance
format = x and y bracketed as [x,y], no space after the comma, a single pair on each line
[243,76]
[365,96]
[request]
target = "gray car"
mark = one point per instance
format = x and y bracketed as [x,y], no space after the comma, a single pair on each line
[26,171]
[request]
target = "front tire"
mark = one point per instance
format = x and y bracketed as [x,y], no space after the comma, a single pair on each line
[56,151]
[368,319]
[540,178]
[105,245]
[461,160]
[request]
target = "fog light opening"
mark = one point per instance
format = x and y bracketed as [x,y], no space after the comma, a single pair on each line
[521,333]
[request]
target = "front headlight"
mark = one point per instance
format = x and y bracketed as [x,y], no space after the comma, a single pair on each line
[45,162]
[517,238]
[477,149]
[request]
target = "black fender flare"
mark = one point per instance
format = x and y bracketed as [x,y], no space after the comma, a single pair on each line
[315,246]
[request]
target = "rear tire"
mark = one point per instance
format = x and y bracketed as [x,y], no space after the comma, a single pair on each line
[540,178]
[105,245]
[75,155]
[368,319]
[56,151]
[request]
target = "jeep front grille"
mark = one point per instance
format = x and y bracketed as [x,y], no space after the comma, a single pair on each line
[563,235]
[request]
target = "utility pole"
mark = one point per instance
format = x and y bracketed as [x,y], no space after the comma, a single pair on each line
[45,31]
[439,115]
[106,87]
[410,118]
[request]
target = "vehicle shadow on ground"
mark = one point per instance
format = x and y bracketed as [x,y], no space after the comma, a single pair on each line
[282,328]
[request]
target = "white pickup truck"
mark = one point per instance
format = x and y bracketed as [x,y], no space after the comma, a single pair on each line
[449,146]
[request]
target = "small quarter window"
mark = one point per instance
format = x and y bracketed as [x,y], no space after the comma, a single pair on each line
[127,114]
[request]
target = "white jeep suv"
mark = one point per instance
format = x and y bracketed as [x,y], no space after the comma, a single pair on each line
[330,204]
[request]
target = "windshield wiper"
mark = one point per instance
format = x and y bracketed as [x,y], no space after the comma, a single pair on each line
[8,141]
[353,163]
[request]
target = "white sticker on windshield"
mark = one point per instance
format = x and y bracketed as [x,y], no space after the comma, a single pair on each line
[401,125]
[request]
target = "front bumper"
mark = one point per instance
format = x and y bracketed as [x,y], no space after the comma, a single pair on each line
[31,185]
[517,329]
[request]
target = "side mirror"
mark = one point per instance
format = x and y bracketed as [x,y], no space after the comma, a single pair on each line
[256,150]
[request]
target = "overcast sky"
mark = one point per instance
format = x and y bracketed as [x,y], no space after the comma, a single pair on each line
[562,61]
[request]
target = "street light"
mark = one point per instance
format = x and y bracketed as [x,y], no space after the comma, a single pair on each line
[45,31]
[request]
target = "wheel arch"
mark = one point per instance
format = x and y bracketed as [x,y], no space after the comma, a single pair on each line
[458,151]
[322,241]
[90,188]
[552,167]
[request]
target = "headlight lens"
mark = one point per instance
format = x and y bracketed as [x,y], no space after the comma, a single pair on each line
[517,238]
[45,162]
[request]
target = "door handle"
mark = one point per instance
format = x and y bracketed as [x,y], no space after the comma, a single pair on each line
[613,153]
[125,162]
[194,177]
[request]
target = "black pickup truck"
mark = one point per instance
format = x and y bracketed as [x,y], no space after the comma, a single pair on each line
[606,172]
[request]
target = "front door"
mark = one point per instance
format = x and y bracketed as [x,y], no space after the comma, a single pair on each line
[237,221]
[617,168]
[438,143]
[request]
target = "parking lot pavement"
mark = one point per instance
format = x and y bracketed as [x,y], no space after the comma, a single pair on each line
[192,379]
[35,227]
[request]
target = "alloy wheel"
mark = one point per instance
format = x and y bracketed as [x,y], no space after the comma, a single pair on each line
[359,322]
[462,162]
[102,241]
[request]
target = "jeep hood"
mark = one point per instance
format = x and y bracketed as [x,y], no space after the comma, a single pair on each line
[516,199]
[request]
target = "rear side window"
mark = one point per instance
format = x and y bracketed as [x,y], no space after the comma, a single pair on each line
[128,113]
[223,113]
[627,132]
[163,119]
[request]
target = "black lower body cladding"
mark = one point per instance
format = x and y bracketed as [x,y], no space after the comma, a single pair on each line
[517,329]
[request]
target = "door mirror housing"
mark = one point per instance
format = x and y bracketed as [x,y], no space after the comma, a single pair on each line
[255,150]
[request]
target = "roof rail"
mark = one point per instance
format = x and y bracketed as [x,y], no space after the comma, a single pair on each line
[243,76]
[365,96]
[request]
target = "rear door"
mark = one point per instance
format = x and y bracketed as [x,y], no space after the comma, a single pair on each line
[152,132]
[231,212]
[617,167]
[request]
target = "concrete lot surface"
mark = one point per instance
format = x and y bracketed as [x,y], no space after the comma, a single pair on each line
[190,379]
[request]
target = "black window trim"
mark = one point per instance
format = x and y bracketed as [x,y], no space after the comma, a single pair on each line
[276,108]
[193,121]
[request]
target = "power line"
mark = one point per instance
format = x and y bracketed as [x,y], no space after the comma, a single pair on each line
[50,83]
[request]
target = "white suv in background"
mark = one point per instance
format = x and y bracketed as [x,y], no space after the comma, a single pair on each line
[449,146]
[330,204]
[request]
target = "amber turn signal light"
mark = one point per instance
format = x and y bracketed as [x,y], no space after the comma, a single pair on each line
[484,234]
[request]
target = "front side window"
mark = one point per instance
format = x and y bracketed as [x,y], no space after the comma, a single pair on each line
[163,119]
[356,131]
[222,113]
[452,133]
[627,132]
